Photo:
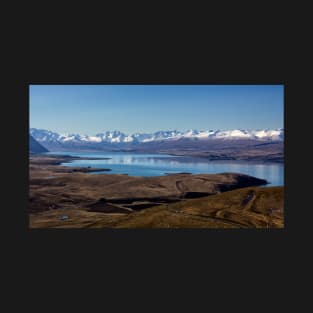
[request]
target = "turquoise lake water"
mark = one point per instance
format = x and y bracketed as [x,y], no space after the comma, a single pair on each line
[135,164]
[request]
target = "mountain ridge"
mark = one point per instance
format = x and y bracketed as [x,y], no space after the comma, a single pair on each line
[35,146]
[47,136]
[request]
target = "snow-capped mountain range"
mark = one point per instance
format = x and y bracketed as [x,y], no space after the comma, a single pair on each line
[49,137]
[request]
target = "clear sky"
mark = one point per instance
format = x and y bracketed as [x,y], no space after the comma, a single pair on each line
[91,109]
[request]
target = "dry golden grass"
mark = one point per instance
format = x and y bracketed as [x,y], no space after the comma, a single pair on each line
[243,208]
[247,207]
[77,218]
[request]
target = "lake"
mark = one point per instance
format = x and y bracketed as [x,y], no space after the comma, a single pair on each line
[135,164]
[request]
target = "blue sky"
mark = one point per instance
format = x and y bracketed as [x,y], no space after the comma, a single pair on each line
[90,109]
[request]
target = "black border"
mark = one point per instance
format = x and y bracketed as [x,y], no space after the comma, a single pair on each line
[252,270]
[233,267]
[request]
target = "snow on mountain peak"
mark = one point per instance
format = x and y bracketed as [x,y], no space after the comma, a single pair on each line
[116,136]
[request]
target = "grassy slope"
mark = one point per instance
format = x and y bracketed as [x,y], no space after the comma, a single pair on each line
[247,207]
